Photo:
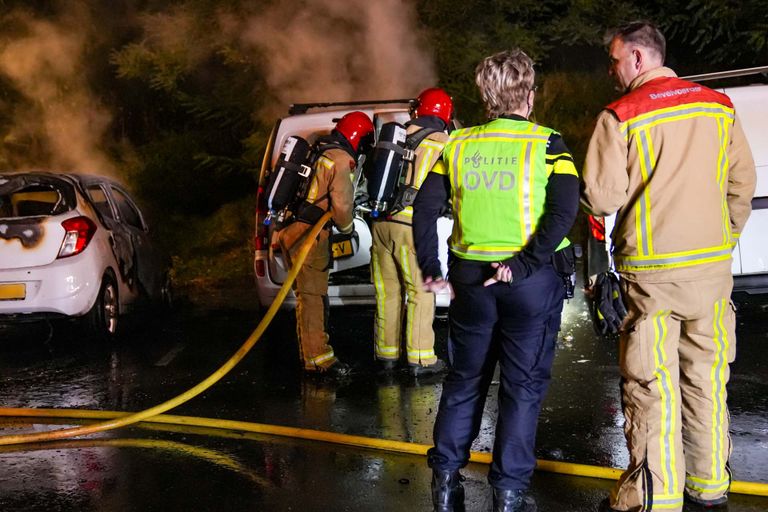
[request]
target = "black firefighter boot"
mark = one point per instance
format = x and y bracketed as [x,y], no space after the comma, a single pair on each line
[505,500]
[447,491]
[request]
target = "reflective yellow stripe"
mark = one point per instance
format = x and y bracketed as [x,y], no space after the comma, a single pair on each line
[418,355]
[665,115]
[722,174]
[501,135]
[525,192]
[668,396]
[407,278]
[682,117]
[643,208]
[673,260]
[458,152]
[421,173]
[707,486]
[667,501]
[433,144]
[651,152]
[381,311]
[386,352]
[496,252]
[323,358]
[327,164]
[564,166]
[440,168]
[717,377]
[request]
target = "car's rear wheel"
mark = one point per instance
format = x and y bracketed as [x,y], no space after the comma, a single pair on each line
[102,319]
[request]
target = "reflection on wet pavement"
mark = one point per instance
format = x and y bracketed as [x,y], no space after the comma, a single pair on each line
[183,468]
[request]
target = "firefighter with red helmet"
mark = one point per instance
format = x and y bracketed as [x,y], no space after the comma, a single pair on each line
[331,190]
[394,270]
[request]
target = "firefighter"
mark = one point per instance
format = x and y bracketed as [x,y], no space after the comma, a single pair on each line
[671,157]
[331,189]
[394,270]
[515,195]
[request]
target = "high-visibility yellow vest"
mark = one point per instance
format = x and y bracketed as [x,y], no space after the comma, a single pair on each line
[498,175]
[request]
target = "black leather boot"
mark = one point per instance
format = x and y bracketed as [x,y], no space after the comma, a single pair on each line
[447,491]
[505,500]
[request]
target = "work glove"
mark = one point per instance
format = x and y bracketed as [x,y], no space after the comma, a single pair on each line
[608,310]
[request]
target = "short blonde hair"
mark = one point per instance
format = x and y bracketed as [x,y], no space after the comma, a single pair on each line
[504,80]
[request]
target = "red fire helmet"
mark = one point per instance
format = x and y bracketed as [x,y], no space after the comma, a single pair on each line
[354,126]
[435,102]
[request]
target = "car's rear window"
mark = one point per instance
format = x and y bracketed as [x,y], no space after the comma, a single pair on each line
[25,195]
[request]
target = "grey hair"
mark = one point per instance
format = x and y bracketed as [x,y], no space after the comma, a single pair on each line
[640,33]
[505,79]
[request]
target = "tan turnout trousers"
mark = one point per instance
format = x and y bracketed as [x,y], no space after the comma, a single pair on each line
[311,289]
[397,279]
[678,341]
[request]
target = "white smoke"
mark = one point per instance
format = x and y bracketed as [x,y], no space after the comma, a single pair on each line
[335,50]
[63,124]
[311,50]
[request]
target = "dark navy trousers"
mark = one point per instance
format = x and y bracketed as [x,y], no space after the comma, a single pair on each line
[515,325]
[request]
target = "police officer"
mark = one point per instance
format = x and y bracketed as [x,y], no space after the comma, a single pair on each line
[671,157]
[394,269]
[515,192]
[331,189]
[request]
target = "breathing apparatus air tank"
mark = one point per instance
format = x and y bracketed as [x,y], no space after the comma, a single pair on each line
[390,158]
[293,169]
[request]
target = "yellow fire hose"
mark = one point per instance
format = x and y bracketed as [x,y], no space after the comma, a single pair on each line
[559,467]
[154,414]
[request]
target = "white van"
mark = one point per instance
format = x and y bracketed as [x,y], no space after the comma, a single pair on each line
[350,279]
[750,257]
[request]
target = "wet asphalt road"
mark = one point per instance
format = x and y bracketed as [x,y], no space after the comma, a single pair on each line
[174,468]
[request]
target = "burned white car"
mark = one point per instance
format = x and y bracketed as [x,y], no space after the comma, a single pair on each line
[75,246]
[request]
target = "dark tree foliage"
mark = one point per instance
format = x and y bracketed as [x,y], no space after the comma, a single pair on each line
[190,109]
[566,39]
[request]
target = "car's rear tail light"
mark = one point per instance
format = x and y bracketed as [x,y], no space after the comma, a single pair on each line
[260,268]
[79,232]
[260,245]
[597,227]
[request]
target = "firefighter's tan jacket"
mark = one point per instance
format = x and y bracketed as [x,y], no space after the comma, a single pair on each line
[331,187]
[427,153]
[671,157]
